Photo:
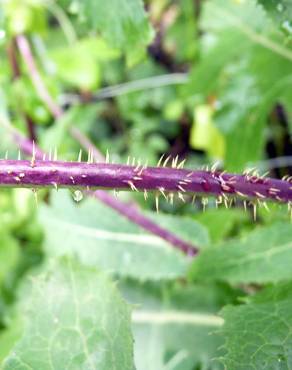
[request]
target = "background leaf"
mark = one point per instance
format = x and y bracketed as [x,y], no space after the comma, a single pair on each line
[9,254]
[74,318]
[174,324]
[221,222]
[280,11]
[262,256]
[123,23]
[258,333]
[79,65]
[100,237]
[233,78]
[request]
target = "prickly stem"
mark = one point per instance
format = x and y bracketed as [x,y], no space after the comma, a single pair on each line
[162,180]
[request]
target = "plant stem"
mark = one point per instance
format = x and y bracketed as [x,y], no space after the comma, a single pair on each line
[11,53]
[129,87]
[163,181]
[16,73]
[25,51]
[133,214]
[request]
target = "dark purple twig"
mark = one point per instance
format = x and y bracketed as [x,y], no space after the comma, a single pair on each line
[30,128]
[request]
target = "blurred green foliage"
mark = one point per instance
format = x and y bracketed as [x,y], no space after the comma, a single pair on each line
[209,81]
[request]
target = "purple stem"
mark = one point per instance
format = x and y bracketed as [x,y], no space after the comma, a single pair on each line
[26,145]
[25,51]
[163,181]
[86,144]
[133,214]
[12,57]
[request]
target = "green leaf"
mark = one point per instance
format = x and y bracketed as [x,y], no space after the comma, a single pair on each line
[262,256]
[123,23]
[9,254]
[280,11]
[78,65]
[186,228]
[258,334]
[204,76]
[8,338]
[174,324]
[220,222]
[74,319]
[268,84]
[99,236]
[78,70]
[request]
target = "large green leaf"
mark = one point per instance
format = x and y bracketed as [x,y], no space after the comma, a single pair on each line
[262,256]
[74,319]
[258,334]
[99,236]
[123,23]
[233,72]
[174,324]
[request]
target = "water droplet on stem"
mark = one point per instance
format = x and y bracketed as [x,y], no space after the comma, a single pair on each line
[77,195]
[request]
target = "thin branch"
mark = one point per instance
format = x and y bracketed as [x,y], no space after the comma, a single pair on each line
[133,214]
[16,73]
[279,162]
[63,20]
[129,87]
[11,53]
[86,144]
[30,128]
[26,145]
[24,48]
